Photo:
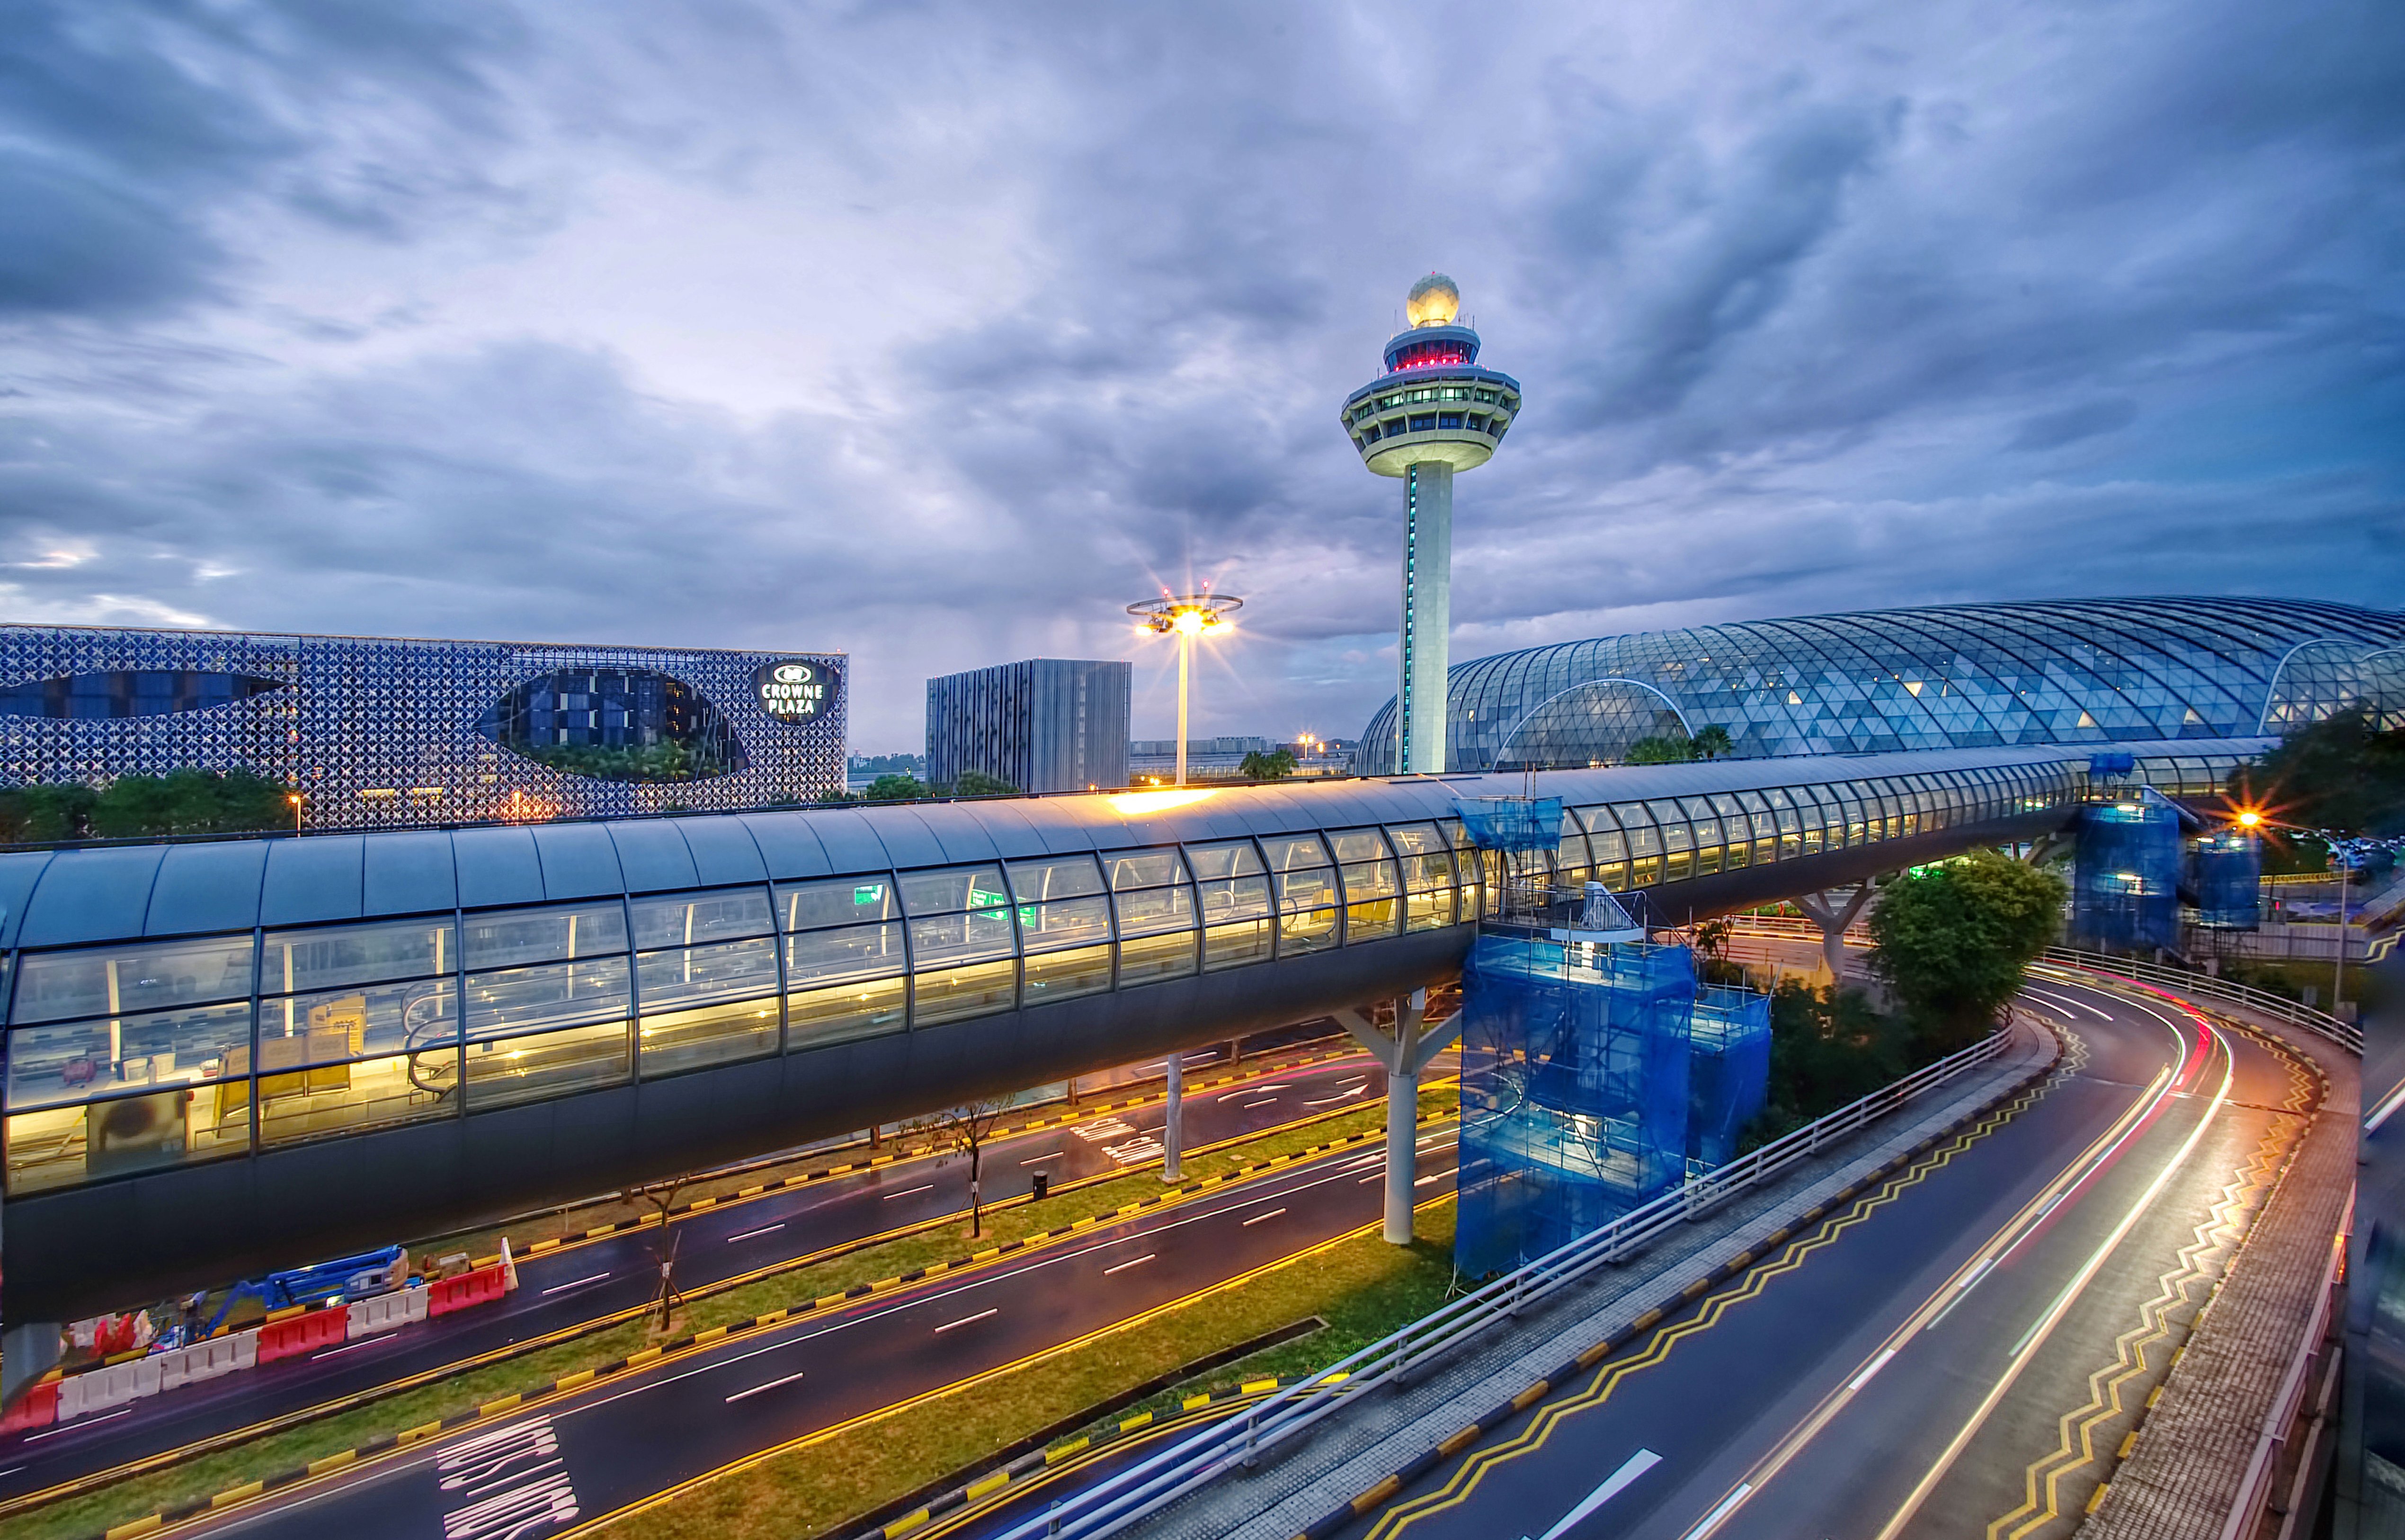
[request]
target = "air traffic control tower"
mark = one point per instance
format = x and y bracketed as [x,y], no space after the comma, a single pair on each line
[1432,412]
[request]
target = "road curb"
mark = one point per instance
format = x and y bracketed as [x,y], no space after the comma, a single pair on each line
[706,1338]
[1383,1491]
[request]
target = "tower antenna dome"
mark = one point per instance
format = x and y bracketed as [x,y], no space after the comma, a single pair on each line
[1434,301]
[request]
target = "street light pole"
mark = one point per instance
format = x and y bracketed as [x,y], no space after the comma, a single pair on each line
[1185,616]
[1185,666]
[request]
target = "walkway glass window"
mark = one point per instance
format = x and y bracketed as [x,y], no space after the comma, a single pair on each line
[705,973]
[358,1026]
[1233,890]
[1306,892]
[1156,911]
[1373,885]
[115,1061]
[845,962]
[1064,927]
[548,1027]
[960,943]
[1425,854]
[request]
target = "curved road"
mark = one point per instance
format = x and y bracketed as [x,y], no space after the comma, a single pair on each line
[1954,1354]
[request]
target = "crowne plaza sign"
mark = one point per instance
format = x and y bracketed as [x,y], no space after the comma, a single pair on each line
[796,691]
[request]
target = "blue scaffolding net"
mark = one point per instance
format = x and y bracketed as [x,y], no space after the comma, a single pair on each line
[1574,1090]
[2229,881]
[1728,1073]
[1519,824]
[2125,889]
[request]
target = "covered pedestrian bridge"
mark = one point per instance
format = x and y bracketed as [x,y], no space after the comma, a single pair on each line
[232,1054]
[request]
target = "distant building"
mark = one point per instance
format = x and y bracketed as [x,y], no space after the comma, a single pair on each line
[378,732]
[1318,757]
[1206,759]
[1045,724]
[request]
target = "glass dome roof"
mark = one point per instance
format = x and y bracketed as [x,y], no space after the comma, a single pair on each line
[1951,676]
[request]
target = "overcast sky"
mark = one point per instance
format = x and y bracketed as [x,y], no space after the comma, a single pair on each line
[936,334]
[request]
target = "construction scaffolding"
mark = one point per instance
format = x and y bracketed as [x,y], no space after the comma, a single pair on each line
[1728,1073]
[1575,1061]
[2229,880]
[2125,893]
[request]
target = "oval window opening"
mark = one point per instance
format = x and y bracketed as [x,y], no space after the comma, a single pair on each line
[129,693]
[624,724]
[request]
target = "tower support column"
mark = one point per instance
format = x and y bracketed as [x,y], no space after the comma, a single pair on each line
[1428,617]
[1404,1050]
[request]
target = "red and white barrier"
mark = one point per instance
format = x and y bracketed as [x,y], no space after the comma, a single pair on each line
[385,1312]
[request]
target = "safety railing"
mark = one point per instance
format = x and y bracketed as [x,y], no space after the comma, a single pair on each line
[2278,1007]
[1146,1488]
[2262,1001]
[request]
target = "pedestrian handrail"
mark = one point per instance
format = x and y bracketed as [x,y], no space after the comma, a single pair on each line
[2227,991]
[1146,1488]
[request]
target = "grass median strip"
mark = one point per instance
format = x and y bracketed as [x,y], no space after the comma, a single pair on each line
[826,1484]
[285,1457]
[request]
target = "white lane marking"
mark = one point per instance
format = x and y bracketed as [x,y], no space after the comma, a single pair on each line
[1258,1218]
[536,1497]
[563,1288]
[1255,1090]
[764,1229]
[1340,1096]
[2036,1338]
[79,1422]
[1250,1105]
[1136,1150]
[967,1320]
[1039,1160]
[1432,1176]
[1858,1381]
[486,1461]
[1123,1266]
[1713,1520]
[2387,1108]
[2067,1002]
[758,1389]
[12,1470]
[1613,1484]
[907,1192]
[1371,1177]
[1355,1085]
[365,1342]
[1103,1128]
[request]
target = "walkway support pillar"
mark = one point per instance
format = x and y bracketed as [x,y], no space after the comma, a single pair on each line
[1172,1127]
[1404,1049]
[1832,918]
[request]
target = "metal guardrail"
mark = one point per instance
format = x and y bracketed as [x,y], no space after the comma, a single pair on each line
[2277,1006]
[1145,1488]
[2263,1000]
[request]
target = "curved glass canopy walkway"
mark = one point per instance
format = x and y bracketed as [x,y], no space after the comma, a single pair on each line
[225,1052]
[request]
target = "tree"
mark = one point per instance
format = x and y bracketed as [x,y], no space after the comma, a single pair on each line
[1827,1048]
[965,1127]
[2340,774]
[661,1196]
[46,813]
[1952,941]
[977,783]
[895,789]
[1711,742]
[1275,766]
[1661,751]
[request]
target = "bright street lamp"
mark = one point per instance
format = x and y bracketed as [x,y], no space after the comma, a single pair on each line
[1185,616]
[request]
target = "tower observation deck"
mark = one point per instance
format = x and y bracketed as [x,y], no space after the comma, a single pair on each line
[1432,412]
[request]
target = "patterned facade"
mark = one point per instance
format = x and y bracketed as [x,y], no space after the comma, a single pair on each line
[392,733]
[1959,677]
[1043,724]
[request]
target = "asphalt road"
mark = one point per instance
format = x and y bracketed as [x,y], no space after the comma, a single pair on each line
[575,1285]
[1904,1369]
[584,1456]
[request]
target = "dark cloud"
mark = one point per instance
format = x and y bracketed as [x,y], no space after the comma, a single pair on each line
[931,334]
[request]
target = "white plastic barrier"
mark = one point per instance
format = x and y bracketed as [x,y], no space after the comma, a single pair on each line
[208,1360]
[383,1312]
[101,1389]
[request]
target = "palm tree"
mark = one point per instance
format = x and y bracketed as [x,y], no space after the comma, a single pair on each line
[1712,742]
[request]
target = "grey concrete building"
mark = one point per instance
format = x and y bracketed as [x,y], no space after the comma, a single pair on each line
[1044,724]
